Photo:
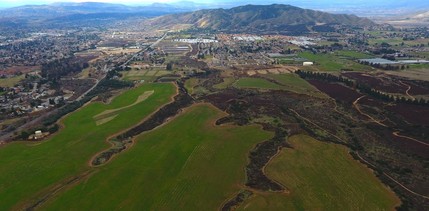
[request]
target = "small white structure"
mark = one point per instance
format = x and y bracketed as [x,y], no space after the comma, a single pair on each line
[307,64]
[38,134]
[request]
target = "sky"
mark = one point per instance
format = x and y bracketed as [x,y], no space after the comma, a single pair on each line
[12,3]
[314,3]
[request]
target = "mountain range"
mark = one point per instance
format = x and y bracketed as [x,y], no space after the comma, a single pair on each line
[284,19]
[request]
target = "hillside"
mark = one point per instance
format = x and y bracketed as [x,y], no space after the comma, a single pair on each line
[261,19]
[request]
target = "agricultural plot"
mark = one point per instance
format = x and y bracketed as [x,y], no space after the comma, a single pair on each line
[225,83]
[321,176]
[34,170]
[187,164]
[330,62]
[294,83]
[353,54]
[146,75]
[10,82]
[256,83]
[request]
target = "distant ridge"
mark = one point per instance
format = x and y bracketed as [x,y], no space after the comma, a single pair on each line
[261,18]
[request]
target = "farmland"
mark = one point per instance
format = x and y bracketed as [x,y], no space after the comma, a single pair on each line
[169,169]
[330,62]
[294,83]
[31,170]
[321,176]
[146,75]
[257,83]
[10,82]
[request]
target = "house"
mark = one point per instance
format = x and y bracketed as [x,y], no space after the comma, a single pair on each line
[307,64]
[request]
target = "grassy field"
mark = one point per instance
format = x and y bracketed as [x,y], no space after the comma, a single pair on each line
[190,84]
[257,83]
[146,75]
[330,62]
[187,164]
[321,176]
[294,83]
[225,83]
[398,41]
[30,170]
[10,82]
[353,54]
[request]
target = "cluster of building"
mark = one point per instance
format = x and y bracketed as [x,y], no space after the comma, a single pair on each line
[40,48]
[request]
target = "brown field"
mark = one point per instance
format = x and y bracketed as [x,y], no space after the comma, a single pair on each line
[17,69]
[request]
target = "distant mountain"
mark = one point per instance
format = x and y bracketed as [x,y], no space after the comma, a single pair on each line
[421,16]
[413,19]
[68,8]
[262,18]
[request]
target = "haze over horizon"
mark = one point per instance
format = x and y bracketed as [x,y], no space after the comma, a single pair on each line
[302,3]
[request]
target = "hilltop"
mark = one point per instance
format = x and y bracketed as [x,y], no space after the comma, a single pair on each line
[277,18]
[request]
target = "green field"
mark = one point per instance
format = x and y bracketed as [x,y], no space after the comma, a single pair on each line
[10,82]
[225,83]
[397,41]
[146,75]
[321,176]
[353,54]
[331,62]
[190,84]
[187,164]
[294,83]
[30,170]
[256,83]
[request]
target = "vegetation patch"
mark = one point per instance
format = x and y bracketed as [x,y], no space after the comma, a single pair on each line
[322,176]
[225,83]
[294,83]
[30,171]
[10,82]
[330,62]
[256,83]
[188,164]
[113,112]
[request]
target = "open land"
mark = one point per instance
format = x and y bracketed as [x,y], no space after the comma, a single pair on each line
[189,163]
[32,170]
[321,176]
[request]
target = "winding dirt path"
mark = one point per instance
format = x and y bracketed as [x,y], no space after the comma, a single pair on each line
[356,105]
[396,133]
[394,180]
[408,89]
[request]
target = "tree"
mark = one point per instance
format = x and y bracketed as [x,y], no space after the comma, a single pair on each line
[169,66]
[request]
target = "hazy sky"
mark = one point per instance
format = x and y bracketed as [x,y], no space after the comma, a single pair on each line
[130,2]
[11,3]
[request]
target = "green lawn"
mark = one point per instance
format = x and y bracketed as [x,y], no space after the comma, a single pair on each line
[256,83]
[331,62]
[187,164]
[321,176]
[294,83]
[30,170]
